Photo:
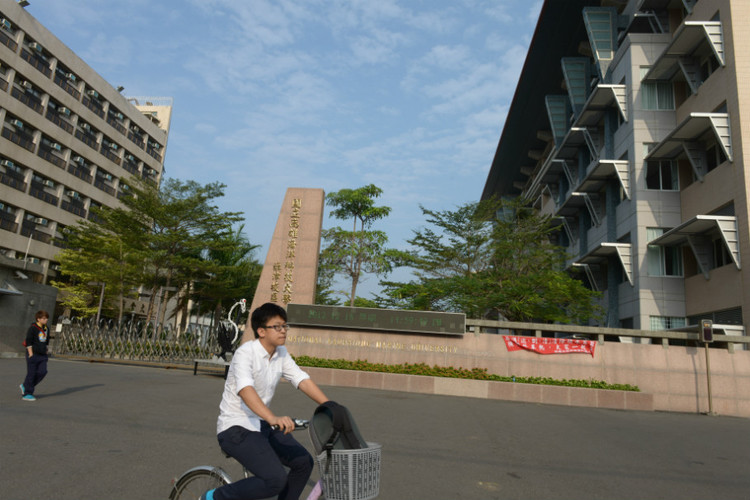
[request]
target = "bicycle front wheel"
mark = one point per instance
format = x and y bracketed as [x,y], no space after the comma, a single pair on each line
[195,482]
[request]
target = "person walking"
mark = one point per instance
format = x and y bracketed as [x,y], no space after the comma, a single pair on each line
[37,338]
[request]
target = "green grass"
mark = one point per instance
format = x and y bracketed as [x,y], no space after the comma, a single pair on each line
[449,371]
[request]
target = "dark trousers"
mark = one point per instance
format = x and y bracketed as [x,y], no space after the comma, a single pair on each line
[36,369]
[265,453]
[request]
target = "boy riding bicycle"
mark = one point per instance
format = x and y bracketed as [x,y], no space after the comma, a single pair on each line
[245,427]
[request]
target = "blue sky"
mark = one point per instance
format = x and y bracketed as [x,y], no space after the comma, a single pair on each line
[408,95]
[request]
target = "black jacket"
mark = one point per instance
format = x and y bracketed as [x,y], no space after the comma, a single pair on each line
[37,337]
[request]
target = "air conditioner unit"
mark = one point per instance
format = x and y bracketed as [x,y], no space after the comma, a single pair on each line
[63,111]
[135,129]
[119,116]
[41,220]
[79,160]
[56,267]
[6,24]
[86,127]
[7,163]
[107,177]
[130,158]
[48,183]
[56,146]
[114,146]
[93,93]
[27,85]
[72,194]
[70,76]
[17,123]
[35,46]
[157,146]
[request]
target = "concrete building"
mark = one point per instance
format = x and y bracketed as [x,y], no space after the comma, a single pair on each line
[626,127]
[67,139]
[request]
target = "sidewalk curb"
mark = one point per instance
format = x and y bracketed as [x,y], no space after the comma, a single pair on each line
[443,386]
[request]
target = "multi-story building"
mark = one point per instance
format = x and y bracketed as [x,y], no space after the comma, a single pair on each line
[626,127]
[68,138]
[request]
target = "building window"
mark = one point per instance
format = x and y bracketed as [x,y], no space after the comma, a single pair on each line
[722,257]
[662,261]
[667,322]
[662,175]
[714,156]
[656,96]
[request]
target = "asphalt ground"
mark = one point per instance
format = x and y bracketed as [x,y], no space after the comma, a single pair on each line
[108,431]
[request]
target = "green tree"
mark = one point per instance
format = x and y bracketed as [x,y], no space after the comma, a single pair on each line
[159,237]
[95,253]
[361,250]
[491,259]
[235,274]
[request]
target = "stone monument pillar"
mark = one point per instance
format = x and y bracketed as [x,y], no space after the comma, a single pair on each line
[290,270]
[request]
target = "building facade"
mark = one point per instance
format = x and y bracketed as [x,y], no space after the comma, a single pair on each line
[626,128]
[68,138]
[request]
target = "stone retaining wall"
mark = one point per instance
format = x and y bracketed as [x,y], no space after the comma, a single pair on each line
[674,376]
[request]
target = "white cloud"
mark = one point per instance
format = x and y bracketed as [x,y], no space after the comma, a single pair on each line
[269,94]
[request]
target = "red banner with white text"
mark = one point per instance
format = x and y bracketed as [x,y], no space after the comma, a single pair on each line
[549,346]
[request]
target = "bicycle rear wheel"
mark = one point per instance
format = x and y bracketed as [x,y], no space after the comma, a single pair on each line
[195,482]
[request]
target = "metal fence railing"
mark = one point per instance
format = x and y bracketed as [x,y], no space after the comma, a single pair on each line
[730,337]
[134,341]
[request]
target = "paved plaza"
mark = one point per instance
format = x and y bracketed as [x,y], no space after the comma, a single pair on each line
[108,431]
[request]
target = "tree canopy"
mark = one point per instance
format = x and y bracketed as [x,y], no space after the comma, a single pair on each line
[490,259]
[361,250]
[171,237]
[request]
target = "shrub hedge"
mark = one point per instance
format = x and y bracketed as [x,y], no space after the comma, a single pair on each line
[449,371]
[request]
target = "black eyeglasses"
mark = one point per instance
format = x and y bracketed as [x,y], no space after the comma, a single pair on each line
[278,328]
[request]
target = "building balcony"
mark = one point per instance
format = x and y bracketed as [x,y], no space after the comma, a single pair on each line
[111,156]
[81,172]
[693,41]
[48,155]
[690,138]
[130,168]
[94,106]
[154,153]
[8,225]
[87,139]
[604,252]
[38,191]
[699,233]
[137,140]
[102,184]
[117,125]
[602,98]
[75,208]
[59,121]
[16,182]
[29,101]
[31,231]
[67,86]
[601,171]
[21,140]
[8,41]
[38,63]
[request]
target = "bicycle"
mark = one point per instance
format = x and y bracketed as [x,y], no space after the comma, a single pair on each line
[345,475]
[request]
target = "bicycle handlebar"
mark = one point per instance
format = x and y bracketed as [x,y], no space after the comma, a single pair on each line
[298,424]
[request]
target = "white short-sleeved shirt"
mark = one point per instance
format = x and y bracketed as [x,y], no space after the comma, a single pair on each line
[252,366]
